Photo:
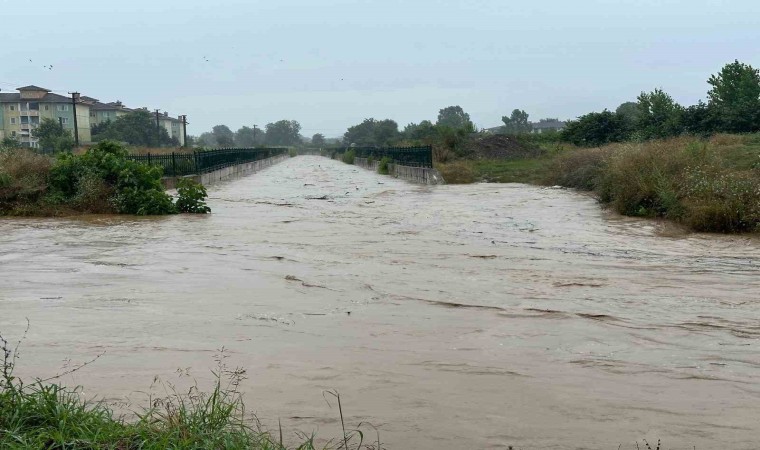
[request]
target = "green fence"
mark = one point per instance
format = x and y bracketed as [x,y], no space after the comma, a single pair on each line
[202,161]
[403,156]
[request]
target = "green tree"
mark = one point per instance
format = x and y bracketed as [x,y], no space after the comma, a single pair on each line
[206,140]
[698,120]
[595,129]
[454,117]
[245,137]
[424,131]
[735,97]
[53,137]
[136,128]
[223,136]
[629,112]
[372,132]
[659,116]
[283,132]
[10,142]
[517,123]
[318,140]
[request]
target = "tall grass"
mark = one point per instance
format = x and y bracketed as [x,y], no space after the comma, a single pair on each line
[695,182]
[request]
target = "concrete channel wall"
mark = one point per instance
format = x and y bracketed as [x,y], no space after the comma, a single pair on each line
[421,175]
[226,173]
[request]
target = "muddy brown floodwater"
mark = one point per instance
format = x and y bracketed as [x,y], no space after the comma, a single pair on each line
[449,317]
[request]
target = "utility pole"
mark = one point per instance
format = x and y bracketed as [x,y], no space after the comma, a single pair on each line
[158,129]
[254,134]
[183,118]
[74,100]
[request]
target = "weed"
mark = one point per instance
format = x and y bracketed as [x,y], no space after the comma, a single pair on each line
[383,168]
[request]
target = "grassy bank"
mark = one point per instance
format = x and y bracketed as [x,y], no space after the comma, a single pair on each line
[706,184]
[45,415]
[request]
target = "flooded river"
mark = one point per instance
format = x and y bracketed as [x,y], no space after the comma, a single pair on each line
[449,317]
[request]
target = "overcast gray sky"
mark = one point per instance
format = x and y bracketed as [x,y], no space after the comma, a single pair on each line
[331,63]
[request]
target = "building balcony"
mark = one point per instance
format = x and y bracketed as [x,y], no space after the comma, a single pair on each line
[29,113]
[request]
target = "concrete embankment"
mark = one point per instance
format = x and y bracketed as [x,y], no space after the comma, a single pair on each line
[226,173]
[421,175]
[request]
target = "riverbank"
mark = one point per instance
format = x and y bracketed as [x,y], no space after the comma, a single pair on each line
[708,185]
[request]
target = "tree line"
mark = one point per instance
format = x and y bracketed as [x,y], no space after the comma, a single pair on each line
[733,106]
[275,134]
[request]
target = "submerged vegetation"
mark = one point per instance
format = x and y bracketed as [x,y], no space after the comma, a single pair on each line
[101,180]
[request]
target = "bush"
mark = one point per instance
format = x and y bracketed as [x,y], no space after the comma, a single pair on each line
[191,197]
[23,178]
[382,168]
[349,156]
[102,180]
[292,152]
[370,160]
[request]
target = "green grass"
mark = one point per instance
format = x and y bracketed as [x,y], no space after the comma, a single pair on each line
[45,415]
[532,171]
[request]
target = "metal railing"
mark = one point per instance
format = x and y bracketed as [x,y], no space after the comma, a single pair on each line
[403,156]
[201,161]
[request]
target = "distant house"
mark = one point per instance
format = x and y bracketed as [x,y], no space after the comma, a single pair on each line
[547,126]
[22,112]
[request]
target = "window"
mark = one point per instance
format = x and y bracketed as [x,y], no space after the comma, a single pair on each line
[64,120]
[13,121]
[13,107]
[13,133]
[47,107]
[63,107]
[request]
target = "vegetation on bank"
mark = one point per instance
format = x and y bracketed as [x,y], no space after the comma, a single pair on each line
[708,184]
[102,180]
[45,415]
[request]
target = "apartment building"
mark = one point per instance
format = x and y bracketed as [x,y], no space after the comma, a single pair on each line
[22,112]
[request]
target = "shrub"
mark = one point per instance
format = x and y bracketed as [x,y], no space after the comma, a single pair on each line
[23,178]
[370,160]
[349,156]
[382,168]
[191,197]
[292,152]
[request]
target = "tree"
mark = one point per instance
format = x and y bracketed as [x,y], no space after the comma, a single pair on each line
[283,132]
[53,137]
[517,123]
[206,140]
[245,137]
[595,129]
[318,140]
[629,112]
[698,120]
[223,136]
[10,142]
[424,131]
[659,116]
[454,117]
[372,132]
[735,97]
[136,128]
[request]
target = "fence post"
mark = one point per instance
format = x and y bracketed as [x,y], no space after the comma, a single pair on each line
[174,165]
[148,158]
